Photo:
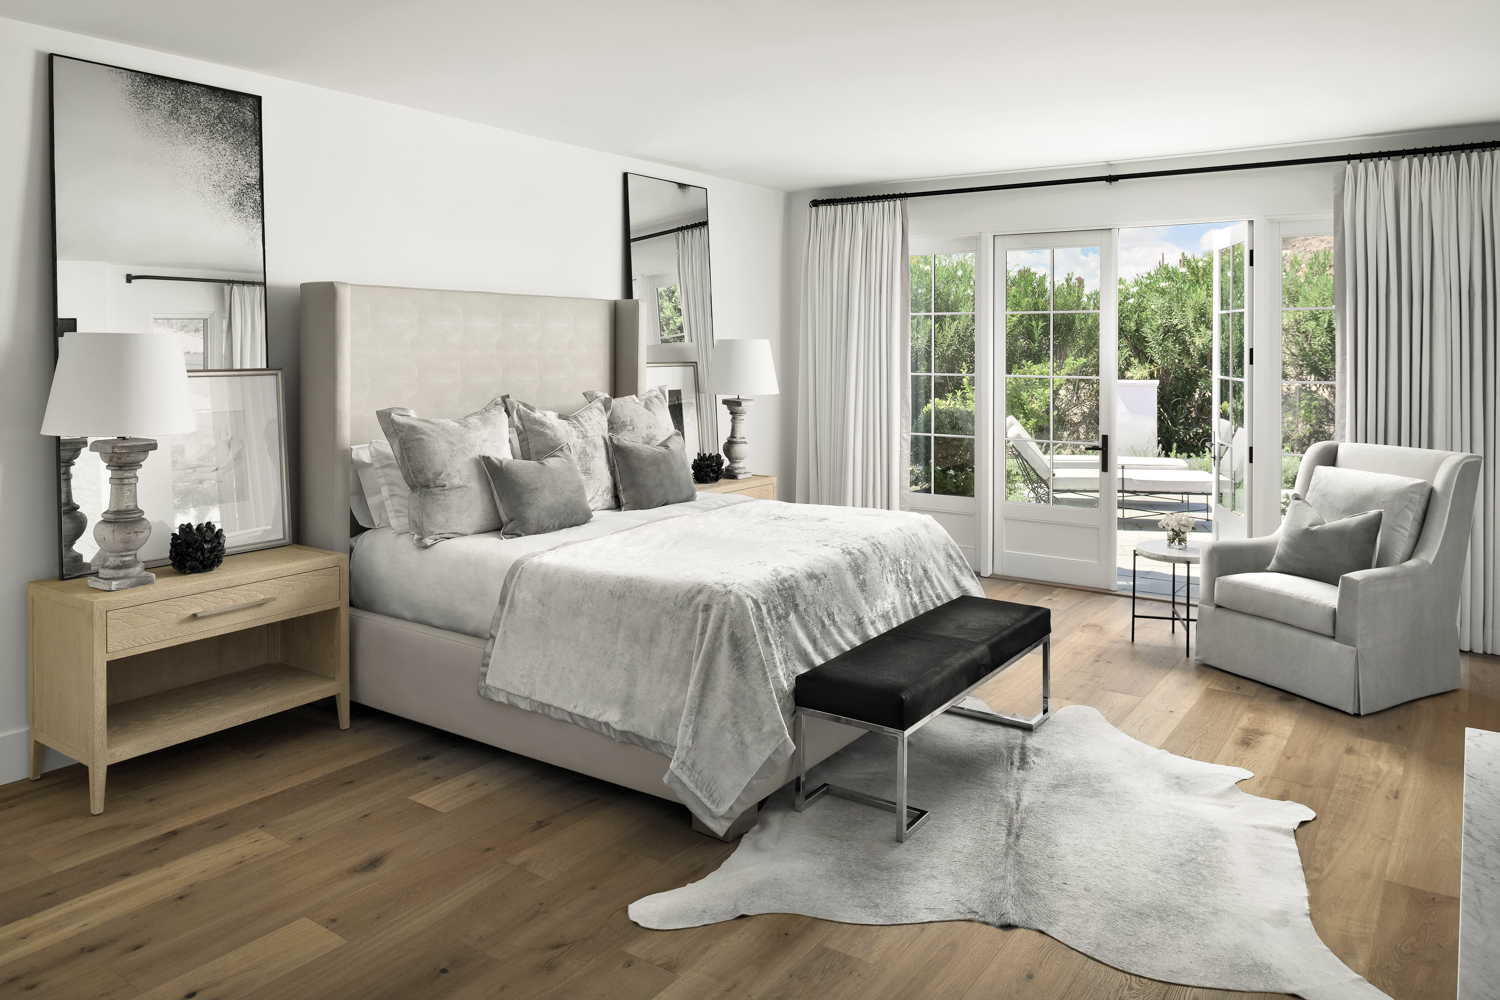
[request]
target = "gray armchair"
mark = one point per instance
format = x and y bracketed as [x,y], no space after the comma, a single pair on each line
[1383,636]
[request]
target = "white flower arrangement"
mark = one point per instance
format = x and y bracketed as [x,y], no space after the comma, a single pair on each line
[1178,521]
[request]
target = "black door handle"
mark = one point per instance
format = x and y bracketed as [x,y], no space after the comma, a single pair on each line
[1103,449]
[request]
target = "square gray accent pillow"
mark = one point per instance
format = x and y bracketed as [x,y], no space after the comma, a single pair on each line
[644,419]
[651,475]
[542,432]
[439,460]
[1337,493]
[1323,550]
[538,497]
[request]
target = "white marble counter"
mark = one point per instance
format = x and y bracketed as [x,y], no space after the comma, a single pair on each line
[1479,903]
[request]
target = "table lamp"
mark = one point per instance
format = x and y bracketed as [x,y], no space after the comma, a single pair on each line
[740,367]
[126,389]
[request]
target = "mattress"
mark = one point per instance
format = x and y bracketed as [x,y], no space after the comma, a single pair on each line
[455,584]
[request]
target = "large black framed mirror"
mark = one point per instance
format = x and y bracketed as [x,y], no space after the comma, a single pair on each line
[158,226]
[667,252]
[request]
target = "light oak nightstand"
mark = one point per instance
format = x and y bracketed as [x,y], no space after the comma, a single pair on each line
[115,674]
[760,487]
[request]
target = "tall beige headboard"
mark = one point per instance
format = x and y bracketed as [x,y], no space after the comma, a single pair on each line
[444,354]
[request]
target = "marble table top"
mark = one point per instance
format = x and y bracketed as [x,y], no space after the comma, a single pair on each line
[1479,899]
[1157,548]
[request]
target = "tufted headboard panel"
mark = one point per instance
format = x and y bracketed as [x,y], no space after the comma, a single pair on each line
[444,354]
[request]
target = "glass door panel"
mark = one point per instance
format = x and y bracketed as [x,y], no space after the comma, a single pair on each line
[1231,380]
[1057,332]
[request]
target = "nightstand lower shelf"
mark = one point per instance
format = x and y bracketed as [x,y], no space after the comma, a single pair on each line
[170,717]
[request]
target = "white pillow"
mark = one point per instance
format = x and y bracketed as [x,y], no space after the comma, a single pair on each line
[359,504]
[385,491]
[1337,493]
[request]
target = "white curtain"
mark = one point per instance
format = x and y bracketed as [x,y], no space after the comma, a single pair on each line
[698,323]
[1419,260]
[244,341]
[853,391]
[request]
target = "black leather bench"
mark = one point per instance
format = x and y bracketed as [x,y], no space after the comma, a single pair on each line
[901,680]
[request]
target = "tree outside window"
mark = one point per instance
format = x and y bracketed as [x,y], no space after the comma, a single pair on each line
[1307,349]
[669,314]
[942,374]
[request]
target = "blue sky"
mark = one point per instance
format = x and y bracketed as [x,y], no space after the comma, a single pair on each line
[1142,249]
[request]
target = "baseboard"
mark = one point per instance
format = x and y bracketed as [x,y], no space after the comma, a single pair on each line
[14,748]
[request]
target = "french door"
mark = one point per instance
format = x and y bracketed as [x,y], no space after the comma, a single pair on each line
[1232,451]
[1055,361]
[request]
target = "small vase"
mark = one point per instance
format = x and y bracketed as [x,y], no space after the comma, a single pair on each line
[1176,539]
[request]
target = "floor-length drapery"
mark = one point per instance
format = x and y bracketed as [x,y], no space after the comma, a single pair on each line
[853,393]
[1420,263]
[244,341]
[698,322]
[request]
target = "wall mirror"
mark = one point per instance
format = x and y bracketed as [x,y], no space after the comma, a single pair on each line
[157,227]
[669,272]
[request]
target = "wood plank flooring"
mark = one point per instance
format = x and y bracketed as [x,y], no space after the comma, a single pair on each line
[286,859]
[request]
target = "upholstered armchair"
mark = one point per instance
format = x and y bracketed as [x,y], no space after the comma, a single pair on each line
[1382,636]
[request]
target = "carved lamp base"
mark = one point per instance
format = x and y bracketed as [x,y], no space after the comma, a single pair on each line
[123,529]
[737,449]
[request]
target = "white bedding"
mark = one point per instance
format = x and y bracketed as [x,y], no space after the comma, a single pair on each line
[455,585]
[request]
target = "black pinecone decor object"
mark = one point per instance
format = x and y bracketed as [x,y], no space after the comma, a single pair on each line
[708,468]
[197,549]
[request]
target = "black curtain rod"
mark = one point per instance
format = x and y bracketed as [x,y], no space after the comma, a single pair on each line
[668,232]
[1175,172]
[129,278]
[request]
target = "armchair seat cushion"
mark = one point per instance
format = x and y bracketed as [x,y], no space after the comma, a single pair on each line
[1292,600]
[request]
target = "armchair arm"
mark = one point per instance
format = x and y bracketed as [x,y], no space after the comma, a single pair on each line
[1231,556]
[1386,604]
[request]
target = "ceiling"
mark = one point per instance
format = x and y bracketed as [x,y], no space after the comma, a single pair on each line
[809,93]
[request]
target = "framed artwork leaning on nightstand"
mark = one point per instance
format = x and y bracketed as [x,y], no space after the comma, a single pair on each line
[232,470]
[680,380]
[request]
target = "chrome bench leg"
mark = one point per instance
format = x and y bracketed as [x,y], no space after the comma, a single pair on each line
[1018,721]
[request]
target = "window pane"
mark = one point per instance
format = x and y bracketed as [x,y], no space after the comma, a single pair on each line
[1077,285]
[921,343]
[669,314]
[953,278]
[1075,344]
[1307,346]
[1235,366]
[1075,484]
[1026,280]
[1306,416]
[1224,278]
[955,344]
[953,404]
[953,466]
[1237,261]
[1028,349]
[1029,401]
[1075,409]
[921,404]
[921,284]
[1027,473]
[1307,271]
[921,463]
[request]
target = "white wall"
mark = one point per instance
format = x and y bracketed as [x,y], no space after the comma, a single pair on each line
[1263,194]
[356,190]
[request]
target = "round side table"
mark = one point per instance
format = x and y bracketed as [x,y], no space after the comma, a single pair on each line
[1159,550]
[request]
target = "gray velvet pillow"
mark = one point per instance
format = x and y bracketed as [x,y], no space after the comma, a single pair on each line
[542,432]
[1336,493]
[1324,550]
[538,497]
[439,459]
[651,475]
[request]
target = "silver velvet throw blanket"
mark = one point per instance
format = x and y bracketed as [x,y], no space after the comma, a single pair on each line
[685,635]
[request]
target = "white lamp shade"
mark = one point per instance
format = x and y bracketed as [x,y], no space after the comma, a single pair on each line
[742,368]
[119,385]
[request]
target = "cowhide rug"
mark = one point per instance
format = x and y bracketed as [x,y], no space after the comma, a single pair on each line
[1152,863]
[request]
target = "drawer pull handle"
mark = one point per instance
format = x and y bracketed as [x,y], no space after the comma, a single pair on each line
[233,607]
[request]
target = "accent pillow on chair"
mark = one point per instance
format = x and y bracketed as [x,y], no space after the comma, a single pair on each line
[439,459]
[1323,550]
[651,475]
[537,497]
[1337,493]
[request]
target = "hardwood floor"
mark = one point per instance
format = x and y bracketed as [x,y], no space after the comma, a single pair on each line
[287,859]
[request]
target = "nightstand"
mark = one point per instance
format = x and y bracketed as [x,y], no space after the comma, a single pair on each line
[760,487]
[115,674]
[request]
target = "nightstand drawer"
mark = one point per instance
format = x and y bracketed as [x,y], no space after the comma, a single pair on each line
[182,617]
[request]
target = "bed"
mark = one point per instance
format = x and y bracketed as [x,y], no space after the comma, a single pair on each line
[428,625]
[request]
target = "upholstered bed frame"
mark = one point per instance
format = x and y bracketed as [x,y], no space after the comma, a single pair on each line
[446,354]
